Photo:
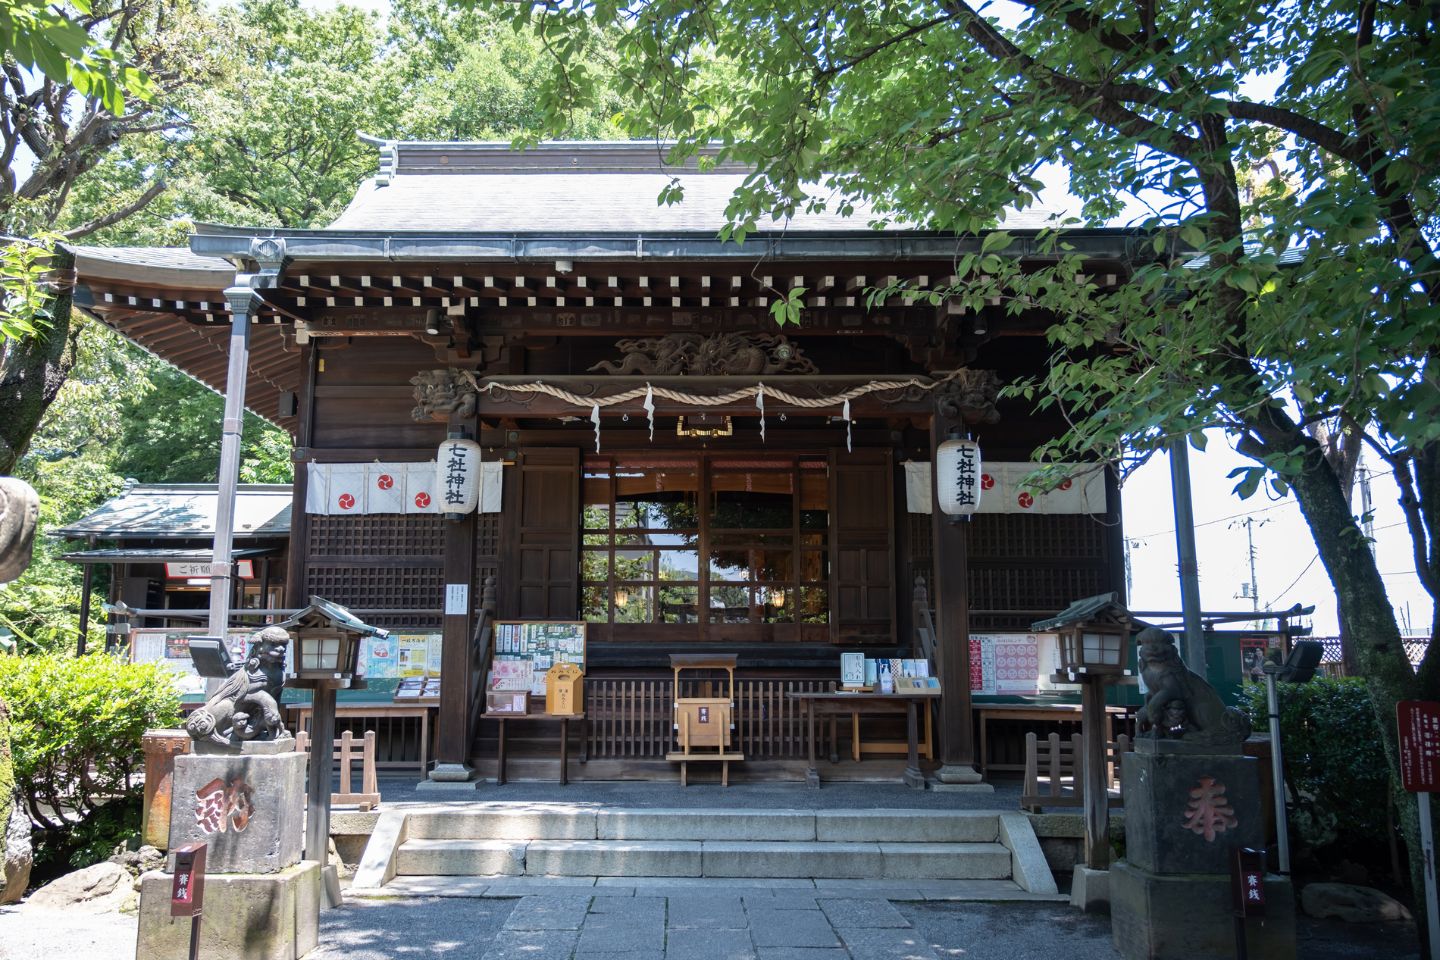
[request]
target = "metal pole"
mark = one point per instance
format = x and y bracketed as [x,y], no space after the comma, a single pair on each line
[1277,769]
[1194,645]
[85,588]
[195,935]
[242,300]
[1427,844]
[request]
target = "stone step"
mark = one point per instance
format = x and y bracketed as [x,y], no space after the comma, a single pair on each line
[759,859]
[562,822]
[461,858]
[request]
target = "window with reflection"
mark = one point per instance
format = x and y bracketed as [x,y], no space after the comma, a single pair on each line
[705,540]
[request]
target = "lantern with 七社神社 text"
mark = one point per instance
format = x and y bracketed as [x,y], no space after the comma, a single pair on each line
[457,476]
[957,477]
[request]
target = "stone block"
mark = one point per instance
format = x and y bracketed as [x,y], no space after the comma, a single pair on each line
[1189,813]
[614,858]
[249,808]
[274,916]
[1028,866]
[459,858]
[683,824]
[1090,889]
[1178,917]
[733,858]
[945,861]
[912,826]
[380,860]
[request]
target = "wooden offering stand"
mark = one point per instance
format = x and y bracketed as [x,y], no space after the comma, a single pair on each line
[704,722]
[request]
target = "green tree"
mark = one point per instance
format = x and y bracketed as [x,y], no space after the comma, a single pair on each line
[1261,314]
[64,73]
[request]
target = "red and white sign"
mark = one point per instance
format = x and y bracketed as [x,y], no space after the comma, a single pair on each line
[1419,722]
[1004,491]
[186,570]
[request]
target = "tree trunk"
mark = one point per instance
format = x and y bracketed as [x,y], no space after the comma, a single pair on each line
[31,374]
[1366,613]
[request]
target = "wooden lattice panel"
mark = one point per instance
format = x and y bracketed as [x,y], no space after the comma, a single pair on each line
[1015,536]
[377,536]
[376,587]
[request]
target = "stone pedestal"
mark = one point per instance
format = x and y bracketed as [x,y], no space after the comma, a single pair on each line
[1192,916]
[161,748]
[273,916]
[1187,811]
[248,806]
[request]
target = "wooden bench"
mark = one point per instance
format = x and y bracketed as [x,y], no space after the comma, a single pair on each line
[345,754]
[503,719]
[1057,760]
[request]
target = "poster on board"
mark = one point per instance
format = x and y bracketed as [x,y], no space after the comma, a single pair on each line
[1012,664]
[524,650]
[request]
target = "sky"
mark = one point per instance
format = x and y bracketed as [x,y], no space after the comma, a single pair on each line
[1287,568]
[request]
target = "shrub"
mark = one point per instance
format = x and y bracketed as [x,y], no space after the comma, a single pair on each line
[1339,783]
[75,727]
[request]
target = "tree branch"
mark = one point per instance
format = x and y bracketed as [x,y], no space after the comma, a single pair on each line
[100,223]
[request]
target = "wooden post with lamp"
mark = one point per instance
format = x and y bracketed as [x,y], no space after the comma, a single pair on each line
[1094,635]
[326,639]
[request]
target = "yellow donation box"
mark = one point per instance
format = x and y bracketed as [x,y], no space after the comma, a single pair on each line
[563,690]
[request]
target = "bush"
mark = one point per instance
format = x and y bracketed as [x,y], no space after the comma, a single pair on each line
[75,727]
[1339,783]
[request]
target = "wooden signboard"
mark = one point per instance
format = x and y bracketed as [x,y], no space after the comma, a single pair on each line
[563,686]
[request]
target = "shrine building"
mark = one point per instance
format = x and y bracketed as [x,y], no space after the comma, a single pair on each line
[657,459]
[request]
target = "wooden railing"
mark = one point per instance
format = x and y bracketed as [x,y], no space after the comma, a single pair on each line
[1057,762]
[634,718]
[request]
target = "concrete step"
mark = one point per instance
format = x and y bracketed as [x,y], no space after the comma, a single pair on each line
[709,858]
[562,822]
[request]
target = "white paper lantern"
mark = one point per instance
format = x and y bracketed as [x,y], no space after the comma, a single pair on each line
[457,475]
[957,477]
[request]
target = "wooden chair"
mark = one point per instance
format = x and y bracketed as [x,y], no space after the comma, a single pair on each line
[346,754]
[1058,760]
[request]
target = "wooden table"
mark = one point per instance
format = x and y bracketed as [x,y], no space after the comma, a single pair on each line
[380,711]
[564,719]
[837,703]
[1048,713]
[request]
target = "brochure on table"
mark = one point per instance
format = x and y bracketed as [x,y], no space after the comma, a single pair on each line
[411,657]
[524,650]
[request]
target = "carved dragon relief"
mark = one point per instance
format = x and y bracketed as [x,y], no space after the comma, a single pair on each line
[439,394]
[720,354]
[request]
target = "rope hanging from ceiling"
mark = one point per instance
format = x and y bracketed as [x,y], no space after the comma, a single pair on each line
[759,392]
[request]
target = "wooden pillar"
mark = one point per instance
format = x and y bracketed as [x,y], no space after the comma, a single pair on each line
[298,554]
[452,748]
[951,595]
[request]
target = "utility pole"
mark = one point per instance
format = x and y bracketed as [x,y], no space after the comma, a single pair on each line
[1367,509]
[1193,647]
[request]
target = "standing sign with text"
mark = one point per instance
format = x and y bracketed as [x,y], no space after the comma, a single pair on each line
[1419,722]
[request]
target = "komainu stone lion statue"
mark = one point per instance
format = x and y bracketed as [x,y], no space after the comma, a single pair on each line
[247,705]
[1179,703]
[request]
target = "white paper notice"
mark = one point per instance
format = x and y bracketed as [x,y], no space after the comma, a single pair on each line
[457,599]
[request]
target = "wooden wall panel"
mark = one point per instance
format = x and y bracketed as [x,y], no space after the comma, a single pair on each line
[544,543]
[862,588]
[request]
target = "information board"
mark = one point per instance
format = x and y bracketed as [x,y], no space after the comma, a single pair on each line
[1419,722]
[1012,664]
[524,650]
[170,648]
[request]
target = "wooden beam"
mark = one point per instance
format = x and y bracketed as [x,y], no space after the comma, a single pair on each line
[950,591]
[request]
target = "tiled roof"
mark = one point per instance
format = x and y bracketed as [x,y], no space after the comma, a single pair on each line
[184,510]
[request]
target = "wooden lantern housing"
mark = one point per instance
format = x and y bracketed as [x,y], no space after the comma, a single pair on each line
[326,639]
[1094,636]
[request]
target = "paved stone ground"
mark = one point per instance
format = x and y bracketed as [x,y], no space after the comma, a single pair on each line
[693,923]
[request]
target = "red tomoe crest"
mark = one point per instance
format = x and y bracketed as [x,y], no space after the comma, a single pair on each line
[986,481]
[384,481]
[346,501]
[1025,500]
[422,499]
[1066,483]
